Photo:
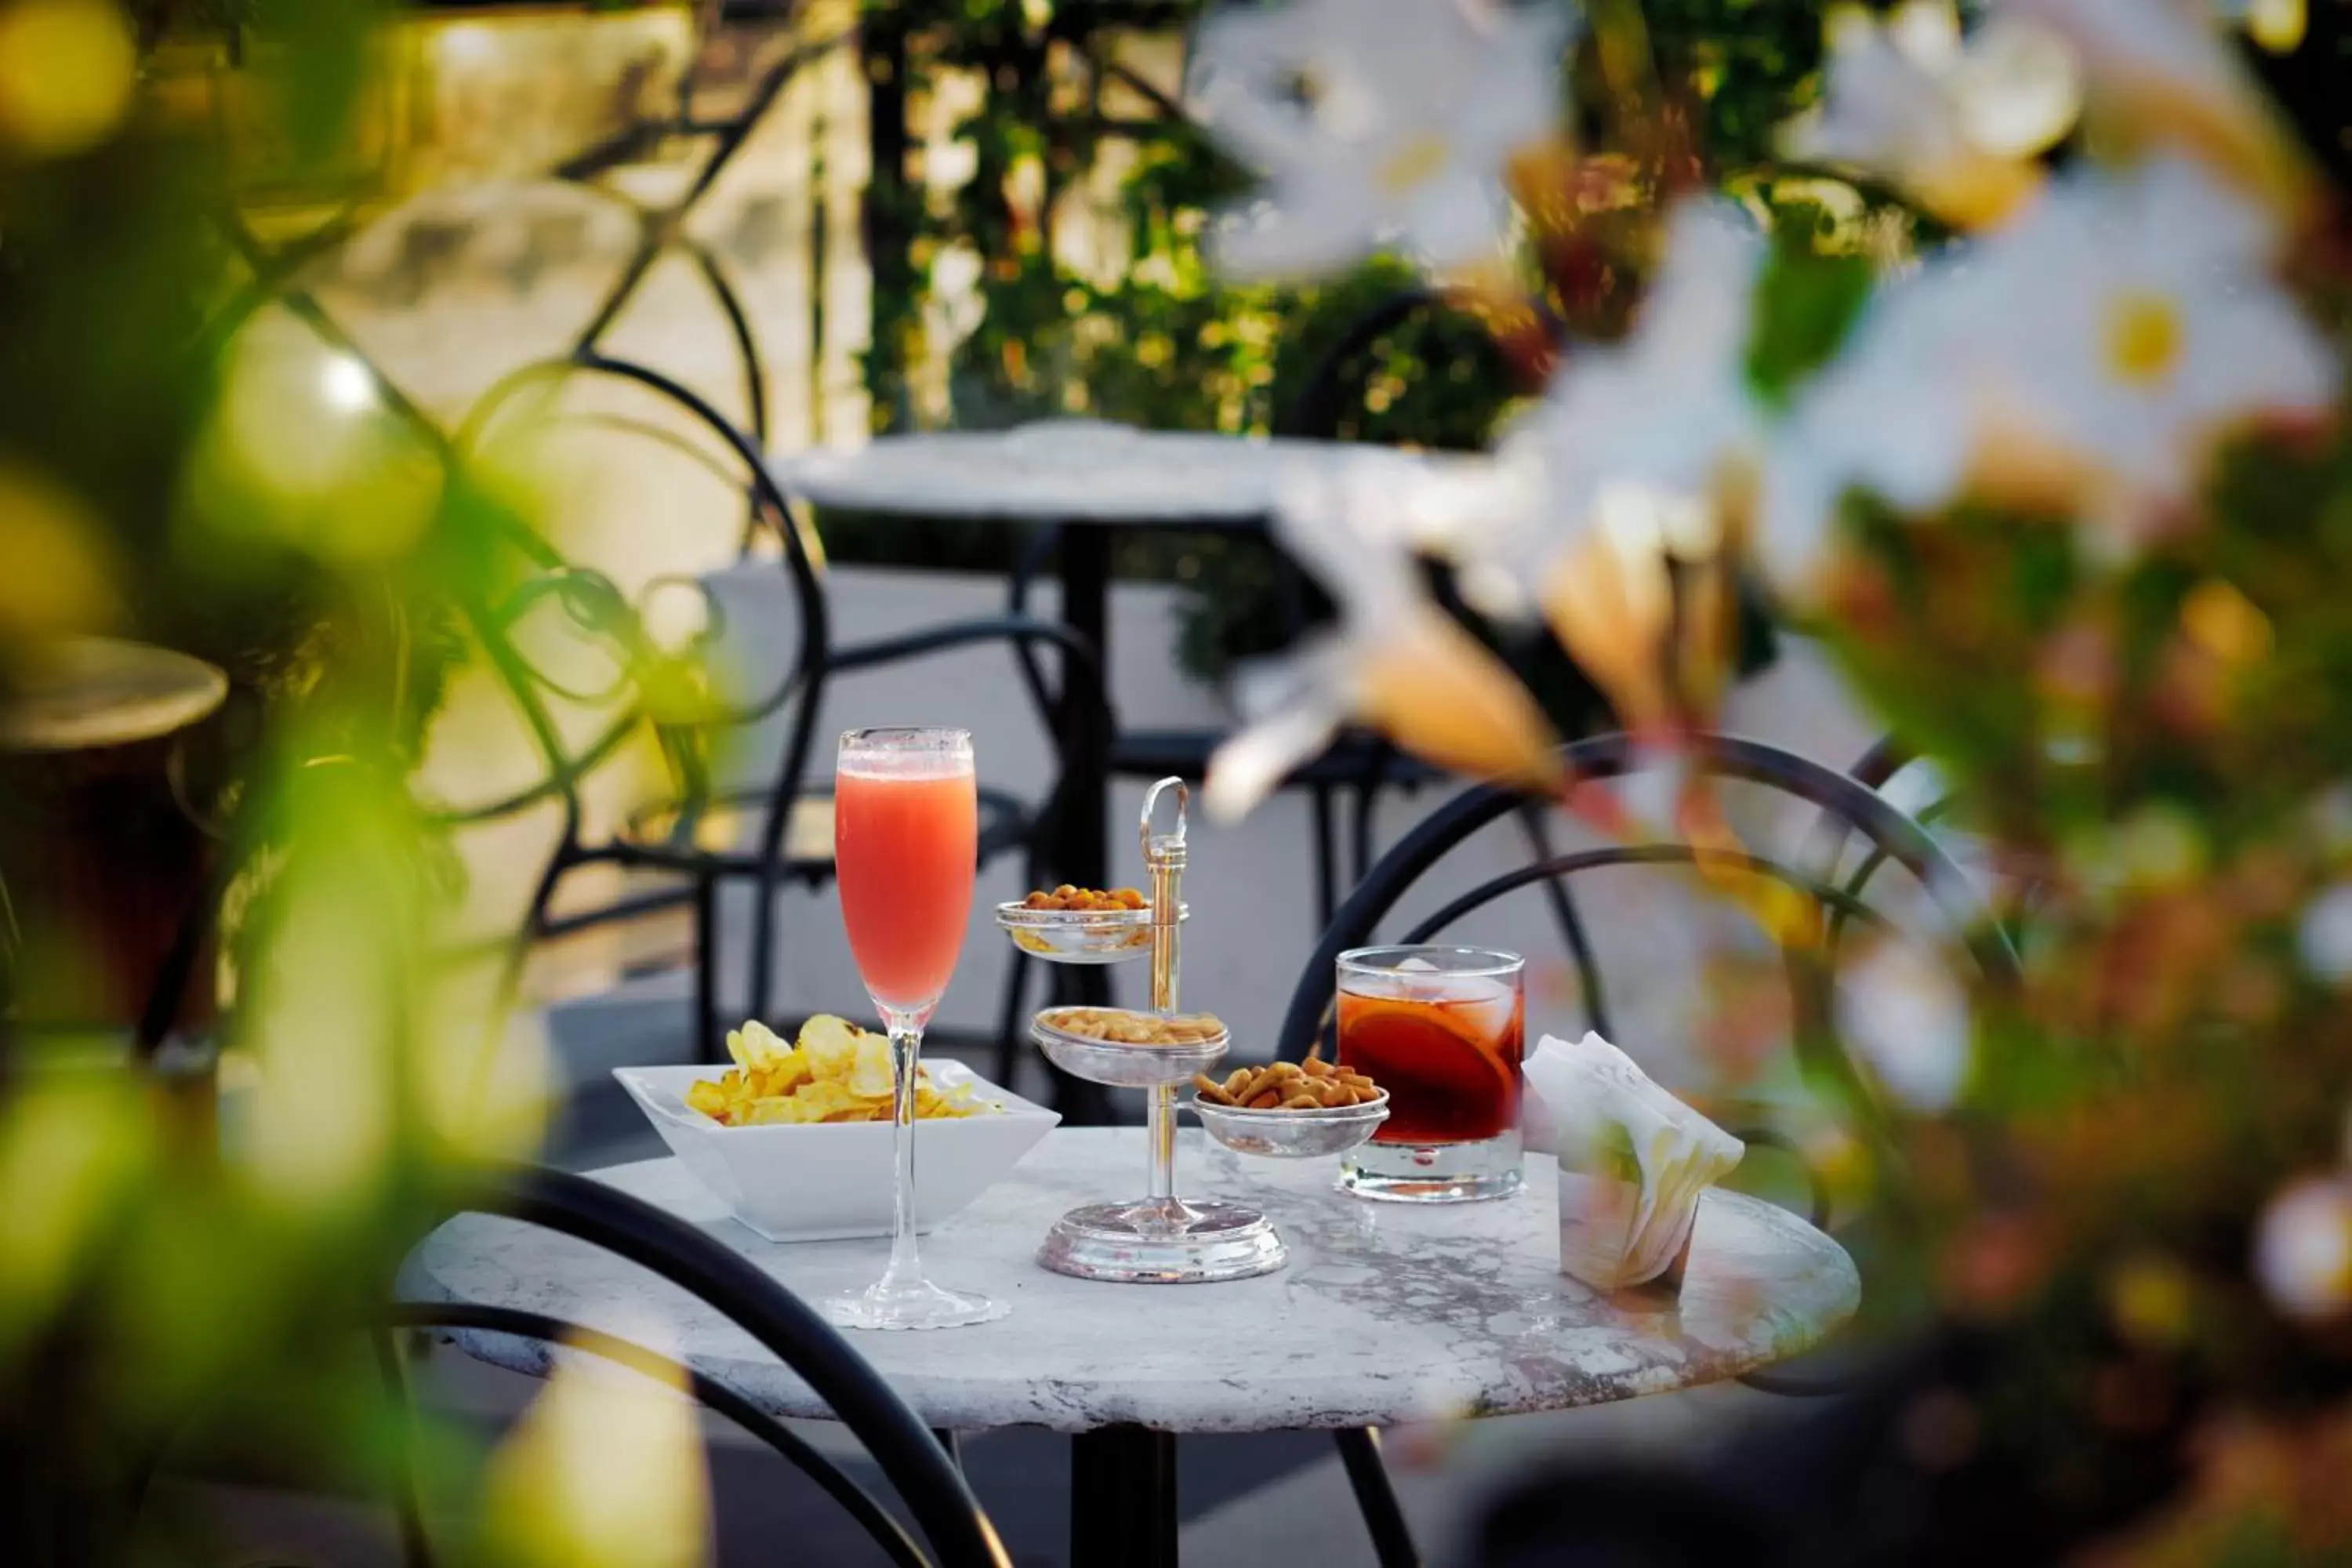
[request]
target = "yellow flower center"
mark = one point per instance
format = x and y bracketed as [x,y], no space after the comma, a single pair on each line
[1413,163]
[2144,337]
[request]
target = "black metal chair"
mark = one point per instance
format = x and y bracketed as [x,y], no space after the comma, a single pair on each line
[1847,807]
[918,1467]
[709,835]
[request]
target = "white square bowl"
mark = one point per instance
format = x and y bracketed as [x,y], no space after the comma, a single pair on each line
[831,1180]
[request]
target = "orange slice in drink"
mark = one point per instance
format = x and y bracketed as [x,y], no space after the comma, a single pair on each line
[1445,1086]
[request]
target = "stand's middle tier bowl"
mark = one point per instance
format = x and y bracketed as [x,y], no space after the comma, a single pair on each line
[1123,1066]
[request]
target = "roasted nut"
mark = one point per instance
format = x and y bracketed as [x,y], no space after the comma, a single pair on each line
[1119,1027]
[1210,1089]
[1314,1085]
[1087,901]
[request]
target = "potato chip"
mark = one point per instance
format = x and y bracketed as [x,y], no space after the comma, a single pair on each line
[755,1044]
[831,1045]
[836,1073]
[870,1076]
[787,1074]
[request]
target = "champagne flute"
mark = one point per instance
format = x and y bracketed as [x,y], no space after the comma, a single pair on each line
[906,840]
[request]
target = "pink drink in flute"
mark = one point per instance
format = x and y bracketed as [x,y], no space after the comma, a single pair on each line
[906,846]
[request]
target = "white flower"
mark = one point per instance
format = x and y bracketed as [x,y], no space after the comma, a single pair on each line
[1954,123]
[2159,71]
[1375,121]
[1395,661]
[1647,426]
[2089,354]
[1904,1013]
[2324,935]
[2303,1249]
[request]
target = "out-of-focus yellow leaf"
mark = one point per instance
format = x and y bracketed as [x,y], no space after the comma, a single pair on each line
[66,68]
[1432,689]
[1611,603]
[321,1123]
[604,1471]
[301,448]
[477,1066]
[69,1150]
[60,576]
[2277,25]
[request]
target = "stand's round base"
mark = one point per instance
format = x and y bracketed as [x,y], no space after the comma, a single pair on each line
[1163,1243]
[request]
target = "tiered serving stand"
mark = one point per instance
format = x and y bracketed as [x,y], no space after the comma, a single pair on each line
[1161,1238]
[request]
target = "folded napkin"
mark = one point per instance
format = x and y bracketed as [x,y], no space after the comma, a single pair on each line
[1632,1159]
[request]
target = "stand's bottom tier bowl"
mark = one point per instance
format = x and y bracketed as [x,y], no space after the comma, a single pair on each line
[1154,1243]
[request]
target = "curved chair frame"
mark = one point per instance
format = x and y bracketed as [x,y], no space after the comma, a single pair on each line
[801,687]
[1892,834]
[1609,756]
[918,1468]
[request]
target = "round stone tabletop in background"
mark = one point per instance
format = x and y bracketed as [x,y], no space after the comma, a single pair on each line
[1071,471]
[85,694]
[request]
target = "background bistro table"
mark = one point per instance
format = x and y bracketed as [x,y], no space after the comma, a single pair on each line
[1396,1313]
[1093,477]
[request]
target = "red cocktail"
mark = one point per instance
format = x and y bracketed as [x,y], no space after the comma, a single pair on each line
[906,814]
[1443,1030]
[905,835]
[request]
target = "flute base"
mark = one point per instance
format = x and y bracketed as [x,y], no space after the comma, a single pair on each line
[911,1304]
[1163,1242]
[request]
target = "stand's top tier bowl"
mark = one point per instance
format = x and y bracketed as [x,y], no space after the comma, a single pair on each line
[1117,1063]
[1080,936]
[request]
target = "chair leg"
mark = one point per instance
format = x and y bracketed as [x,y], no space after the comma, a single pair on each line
[1571,925]
[706,969]
[1327,888]
[1359,1451]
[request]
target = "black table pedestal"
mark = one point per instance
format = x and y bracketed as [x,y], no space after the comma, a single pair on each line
[1123,1499]
[1081,850]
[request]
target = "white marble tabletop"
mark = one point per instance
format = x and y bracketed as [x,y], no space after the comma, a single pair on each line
[1072,471]
[1384,1314]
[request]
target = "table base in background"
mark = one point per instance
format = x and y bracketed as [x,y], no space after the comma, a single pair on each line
[1123,1499]
[1082,852]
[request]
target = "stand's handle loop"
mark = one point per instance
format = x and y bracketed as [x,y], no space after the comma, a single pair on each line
[1168,849]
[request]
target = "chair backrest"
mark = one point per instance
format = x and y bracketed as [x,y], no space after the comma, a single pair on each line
[916,1467]
[1884,829]
[794,691]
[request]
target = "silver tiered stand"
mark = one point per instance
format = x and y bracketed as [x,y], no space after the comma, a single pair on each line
[1160,1239]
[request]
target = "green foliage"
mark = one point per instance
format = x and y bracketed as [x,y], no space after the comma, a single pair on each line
[1167,346]
[1806,300]
[1747,62]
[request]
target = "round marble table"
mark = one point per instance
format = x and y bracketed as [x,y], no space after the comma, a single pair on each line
[1385,1313]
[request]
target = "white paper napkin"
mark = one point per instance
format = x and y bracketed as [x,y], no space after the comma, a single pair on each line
[1632,1159]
